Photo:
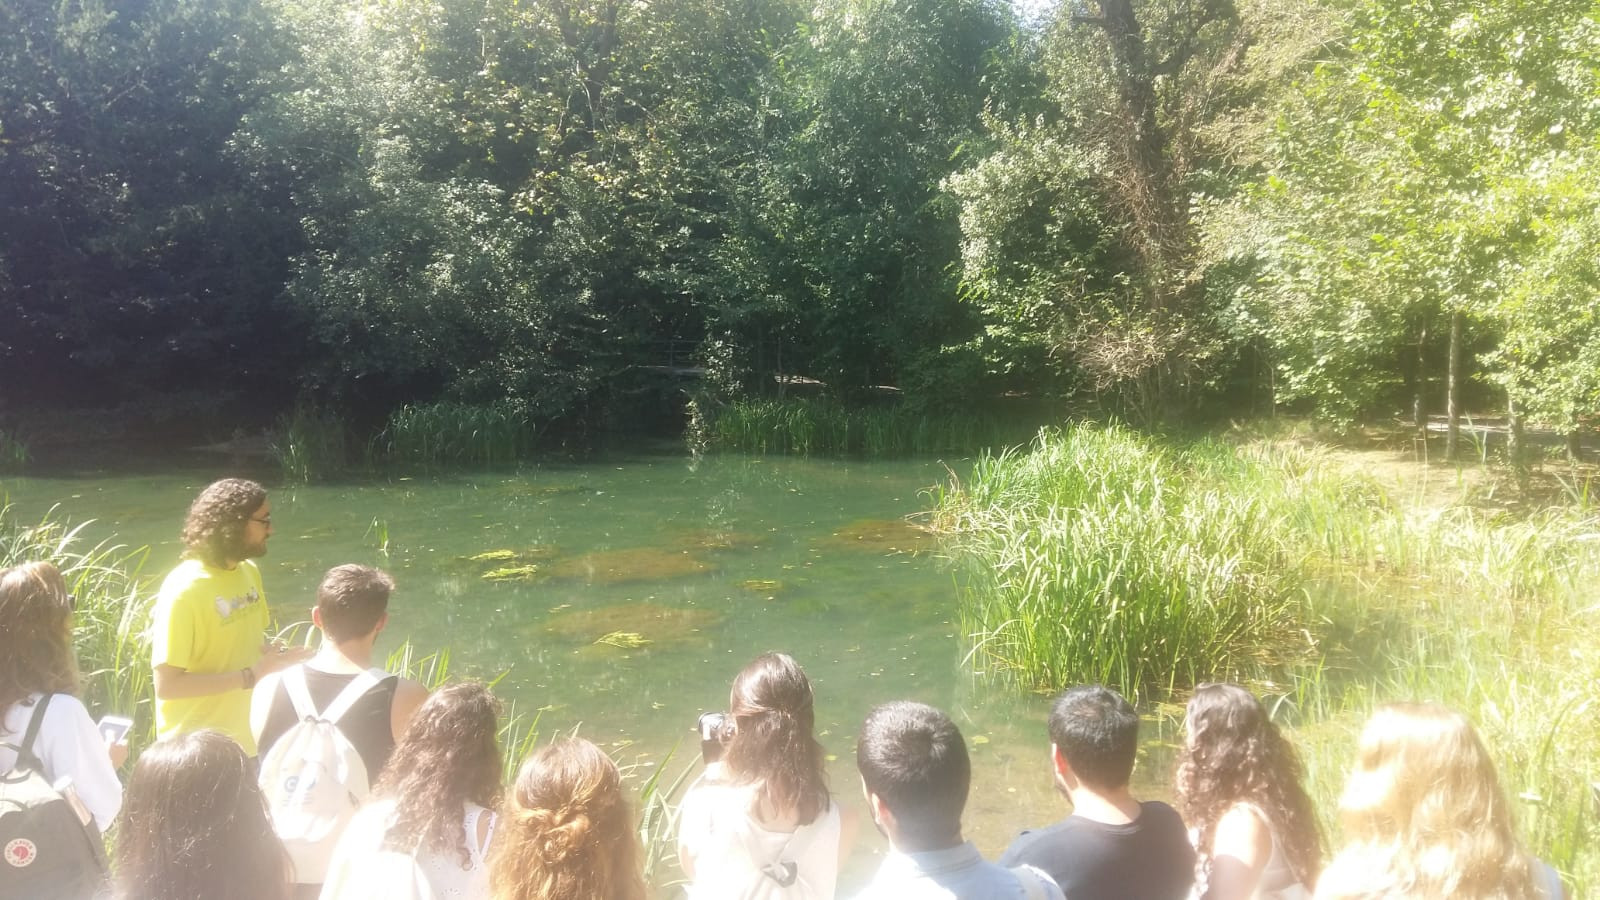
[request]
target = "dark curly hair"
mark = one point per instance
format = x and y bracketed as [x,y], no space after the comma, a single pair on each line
[1235,754]
[35,642]
[772,746]
[447,757]
[213,532]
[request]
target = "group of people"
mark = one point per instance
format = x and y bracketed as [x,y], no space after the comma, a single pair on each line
[283,773]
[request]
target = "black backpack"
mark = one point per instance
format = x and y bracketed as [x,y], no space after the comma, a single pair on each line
[49,846]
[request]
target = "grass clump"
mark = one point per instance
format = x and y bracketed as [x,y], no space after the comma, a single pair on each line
[443,434]
[821,427]
[1100,555]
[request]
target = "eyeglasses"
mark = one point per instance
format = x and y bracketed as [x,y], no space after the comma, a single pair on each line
[72,603]
[265,520]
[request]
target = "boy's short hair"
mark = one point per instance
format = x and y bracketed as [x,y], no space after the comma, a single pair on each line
[352,598]
[1097,732]
[914,759]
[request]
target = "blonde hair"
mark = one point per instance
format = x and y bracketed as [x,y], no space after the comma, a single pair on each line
[565,832]
[1424,814]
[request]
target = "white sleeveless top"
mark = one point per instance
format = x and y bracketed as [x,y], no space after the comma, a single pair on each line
[445,875]
[449,880]
[735,858]
[1277,881]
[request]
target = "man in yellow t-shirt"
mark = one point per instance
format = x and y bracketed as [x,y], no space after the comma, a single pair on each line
[208,628]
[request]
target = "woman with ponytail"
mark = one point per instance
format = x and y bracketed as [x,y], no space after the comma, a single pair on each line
[762,823]
[565,832]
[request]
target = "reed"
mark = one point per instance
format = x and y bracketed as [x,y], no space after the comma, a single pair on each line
[14,454]
[312,444]
[822,427]
[1100,555]
[113,595]
[445,434]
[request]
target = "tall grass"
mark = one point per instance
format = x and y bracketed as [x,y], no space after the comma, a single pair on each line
[1101,555]
[811,427]
[312,443]
[113,602]
[1104,555]
[442,434]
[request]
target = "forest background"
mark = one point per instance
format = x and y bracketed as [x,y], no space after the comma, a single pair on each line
[217,210]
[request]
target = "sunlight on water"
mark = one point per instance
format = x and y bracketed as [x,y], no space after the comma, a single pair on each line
[686,568]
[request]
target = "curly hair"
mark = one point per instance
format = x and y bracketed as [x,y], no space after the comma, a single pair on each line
[194,826]
[772,745]
[1425,814]
[565,832]
[447,757]
[35,639]
[1235,754]
[213,532]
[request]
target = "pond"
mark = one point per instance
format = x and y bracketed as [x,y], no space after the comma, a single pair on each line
[626,593]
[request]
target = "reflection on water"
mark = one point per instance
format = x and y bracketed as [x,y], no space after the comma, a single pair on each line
[621,597]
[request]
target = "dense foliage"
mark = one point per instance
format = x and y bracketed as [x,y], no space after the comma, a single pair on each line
[1366,207]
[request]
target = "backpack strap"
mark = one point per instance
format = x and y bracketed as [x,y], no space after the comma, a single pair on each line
[25,754]
[355,690]
[294,682]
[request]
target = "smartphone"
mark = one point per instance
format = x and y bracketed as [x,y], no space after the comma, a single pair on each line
[114,728]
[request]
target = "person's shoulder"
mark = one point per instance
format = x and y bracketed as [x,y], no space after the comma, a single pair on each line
[1160,814]
[1029,845]
[188,573]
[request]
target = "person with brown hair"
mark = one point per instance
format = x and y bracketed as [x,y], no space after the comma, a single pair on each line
[352,610]
[194,827]
[1240,787]
[566,832]
[208,627]
[762,821]
[39,681]
[320,711]
[434,801]
[1425,816]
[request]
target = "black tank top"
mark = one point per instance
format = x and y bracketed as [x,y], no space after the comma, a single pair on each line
[366,726]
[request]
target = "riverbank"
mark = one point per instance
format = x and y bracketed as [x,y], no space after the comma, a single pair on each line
[1330,580]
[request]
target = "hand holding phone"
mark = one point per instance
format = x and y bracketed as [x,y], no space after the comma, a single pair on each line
[115,731]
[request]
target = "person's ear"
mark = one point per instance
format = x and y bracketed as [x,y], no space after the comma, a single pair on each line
[881,813]
[316,618]
[1061,768]
[383,622]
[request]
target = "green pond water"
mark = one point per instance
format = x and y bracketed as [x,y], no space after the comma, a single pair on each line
[710,560]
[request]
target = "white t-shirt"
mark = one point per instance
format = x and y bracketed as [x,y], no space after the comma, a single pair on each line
[69,746]
[445,875]
[735,857]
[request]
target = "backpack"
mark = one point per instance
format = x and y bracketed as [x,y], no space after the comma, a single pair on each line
[48,841]
[313,779]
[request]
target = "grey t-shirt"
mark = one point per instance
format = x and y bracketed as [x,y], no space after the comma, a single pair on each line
[1149,858]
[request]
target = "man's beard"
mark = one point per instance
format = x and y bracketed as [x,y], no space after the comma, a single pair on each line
[252,551]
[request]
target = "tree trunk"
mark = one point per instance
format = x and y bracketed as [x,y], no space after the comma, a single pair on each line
[1516,446]
[1574,445]
[1452,440]
[1419,387]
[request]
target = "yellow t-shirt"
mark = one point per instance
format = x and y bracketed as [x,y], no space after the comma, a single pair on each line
[209,620]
